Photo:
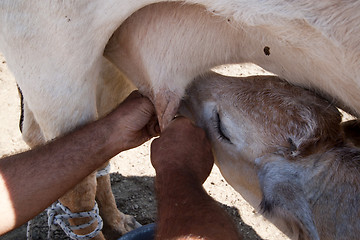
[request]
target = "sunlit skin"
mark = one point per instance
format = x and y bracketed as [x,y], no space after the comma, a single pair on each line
[183,159]
[32,180]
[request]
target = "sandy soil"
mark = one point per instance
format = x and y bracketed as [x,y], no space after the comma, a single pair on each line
[132,174]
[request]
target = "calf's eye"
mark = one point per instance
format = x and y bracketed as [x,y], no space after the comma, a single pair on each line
[221,130]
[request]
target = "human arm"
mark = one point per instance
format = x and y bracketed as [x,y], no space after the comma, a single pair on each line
[183,160]
[31,181]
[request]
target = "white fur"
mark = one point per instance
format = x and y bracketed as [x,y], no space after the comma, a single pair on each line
[55,48]
[312,45]
[58,45]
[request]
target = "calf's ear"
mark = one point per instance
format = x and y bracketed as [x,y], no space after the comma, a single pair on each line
[283,195]
[351,131]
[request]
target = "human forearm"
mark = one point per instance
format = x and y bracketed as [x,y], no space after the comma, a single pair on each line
[183,160]
[185,209]
[33,180]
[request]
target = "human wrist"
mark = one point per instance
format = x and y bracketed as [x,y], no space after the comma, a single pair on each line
[110,143]
[168,182]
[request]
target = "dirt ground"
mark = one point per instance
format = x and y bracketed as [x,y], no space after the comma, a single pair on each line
[132,174]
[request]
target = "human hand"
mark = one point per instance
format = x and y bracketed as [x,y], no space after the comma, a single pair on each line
[134,122]
[182,147]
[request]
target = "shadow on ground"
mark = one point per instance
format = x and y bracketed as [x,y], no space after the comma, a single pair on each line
[134,195]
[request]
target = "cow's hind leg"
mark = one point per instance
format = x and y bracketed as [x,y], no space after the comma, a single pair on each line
[81,199]
[116,223]
[112,90]
[37,129]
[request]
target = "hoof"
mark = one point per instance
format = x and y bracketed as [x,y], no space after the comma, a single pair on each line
[126,224]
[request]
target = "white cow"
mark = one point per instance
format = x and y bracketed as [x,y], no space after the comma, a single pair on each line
[309,45]
[112,89]
[55,49]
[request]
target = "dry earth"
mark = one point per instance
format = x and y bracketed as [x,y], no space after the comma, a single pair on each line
[132,174]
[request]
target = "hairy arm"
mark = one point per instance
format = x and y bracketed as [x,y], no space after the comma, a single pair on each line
[186,211]
[31,181]
[183,160]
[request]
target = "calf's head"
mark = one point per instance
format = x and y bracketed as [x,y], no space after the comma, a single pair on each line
[246,118]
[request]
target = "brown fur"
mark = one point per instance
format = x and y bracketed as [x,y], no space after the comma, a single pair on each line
[283,148]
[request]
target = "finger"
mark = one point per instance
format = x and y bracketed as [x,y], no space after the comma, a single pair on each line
[148,107]
[134,94]
[175,121]
[153,127]
[179,123]
[153,150]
